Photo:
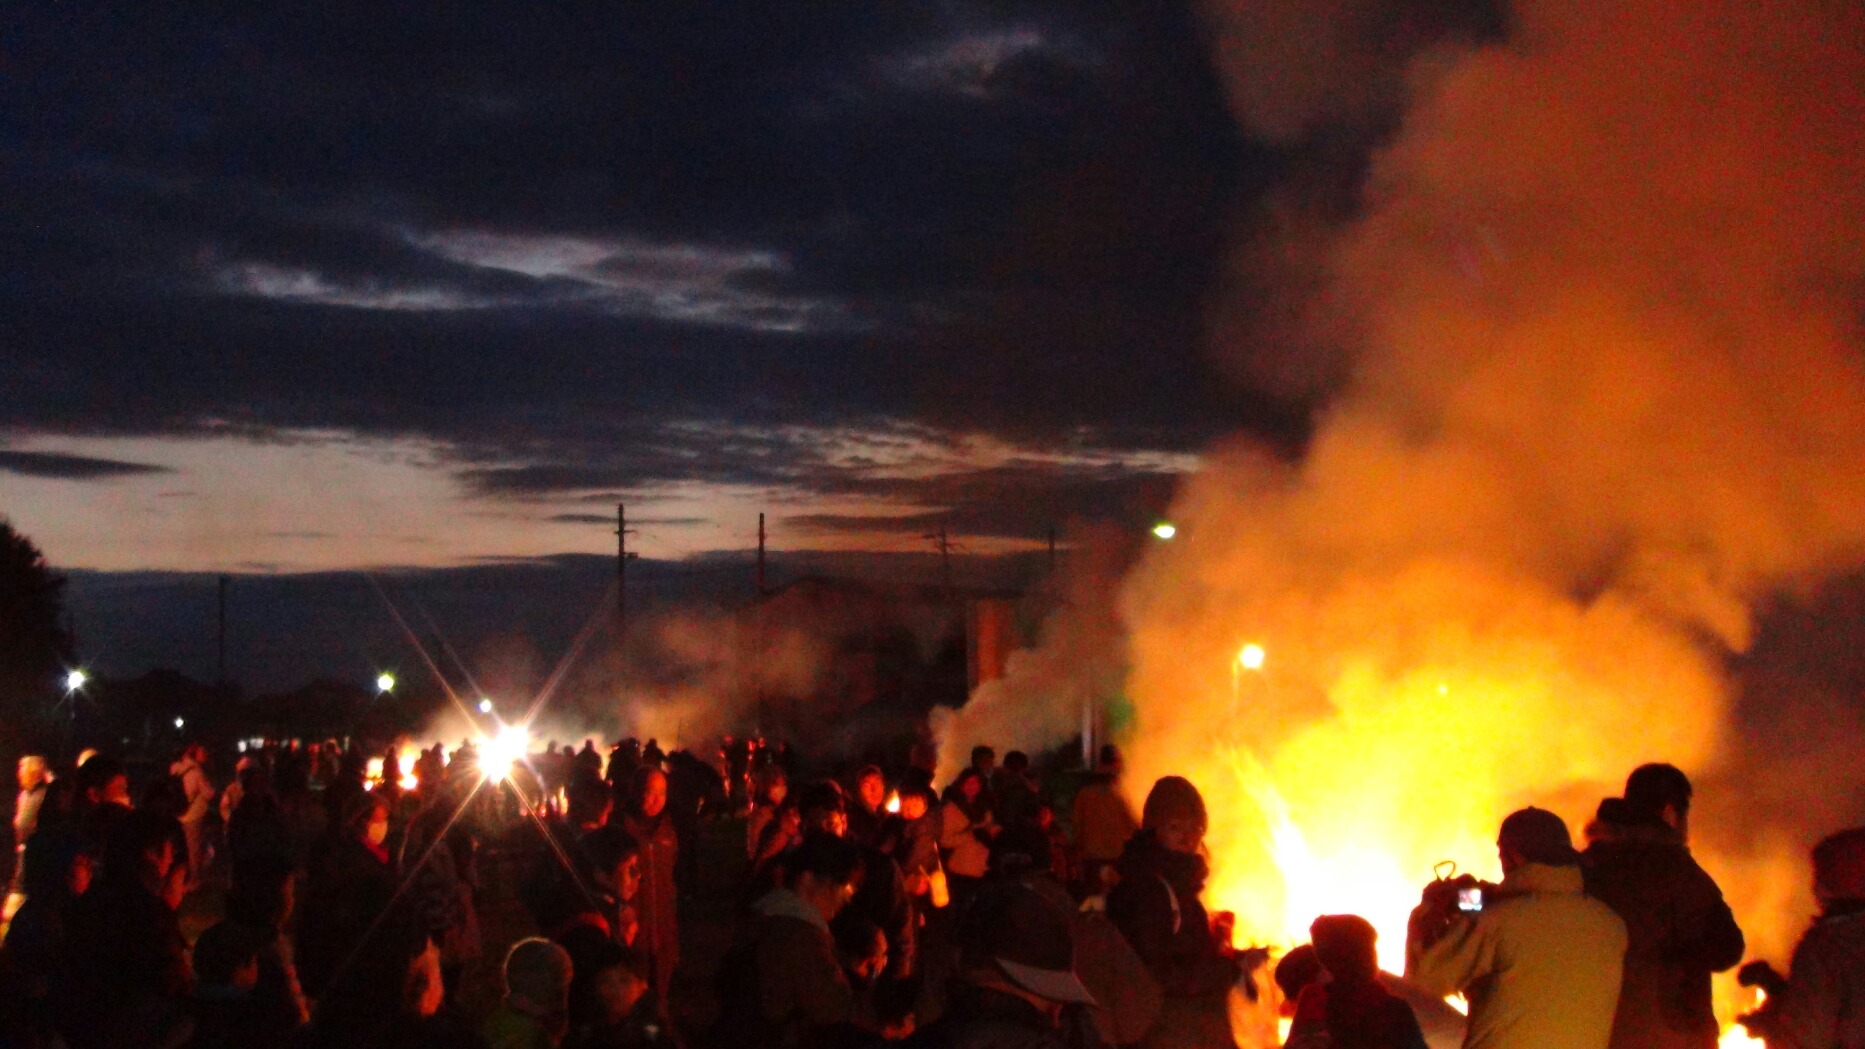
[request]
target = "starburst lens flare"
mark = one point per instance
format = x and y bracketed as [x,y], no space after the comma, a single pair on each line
[499,752]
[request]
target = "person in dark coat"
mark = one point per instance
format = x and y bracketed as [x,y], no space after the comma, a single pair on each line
[1014,986]
[128,974]
[781,984]
[868,818]
[259,906]
[435,861]
[645,818]
[881,897]
[610,1007]
[1157,908]
[225,1008]
[1821,1003]
[393,997]
[1680,930]
[1351,1008]
[346,891]
[56,869]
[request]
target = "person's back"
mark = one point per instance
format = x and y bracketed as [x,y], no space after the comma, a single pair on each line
[1352,1009]
[1679,929]
[1101,820]
[1540,964]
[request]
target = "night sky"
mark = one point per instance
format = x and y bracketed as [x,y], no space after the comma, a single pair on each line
[292,289]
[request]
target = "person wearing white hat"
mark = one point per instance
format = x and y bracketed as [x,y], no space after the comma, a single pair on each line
[1015,984]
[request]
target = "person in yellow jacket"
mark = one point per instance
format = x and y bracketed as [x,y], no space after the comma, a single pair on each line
[1540,962]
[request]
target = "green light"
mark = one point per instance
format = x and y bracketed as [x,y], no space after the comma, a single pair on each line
[1165,530]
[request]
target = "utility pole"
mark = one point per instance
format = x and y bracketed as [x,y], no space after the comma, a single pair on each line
[221,680]
[944,545]
[761,589]
[622,557]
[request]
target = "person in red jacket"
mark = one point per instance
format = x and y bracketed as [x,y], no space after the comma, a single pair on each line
[1351,1007]
[657,906]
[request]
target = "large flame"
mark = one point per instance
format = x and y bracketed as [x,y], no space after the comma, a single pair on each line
[1600,397]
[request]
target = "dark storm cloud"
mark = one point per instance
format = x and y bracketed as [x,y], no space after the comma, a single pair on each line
[72,467]
[609,519]
[530,232]
[1018,500]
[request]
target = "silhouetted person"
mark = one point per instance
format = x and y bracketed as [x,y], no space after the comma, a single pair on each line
[1350,1007]
[1821,1003]
[128,975]
[645,819]
[1679,929]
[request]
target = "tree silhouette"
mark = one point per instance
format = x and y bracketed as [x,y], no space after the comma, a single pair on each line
[34,646]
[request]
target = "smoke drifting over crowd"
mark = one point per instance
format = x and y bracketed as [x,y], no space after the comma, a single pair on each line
[1602,401]
[1605,396]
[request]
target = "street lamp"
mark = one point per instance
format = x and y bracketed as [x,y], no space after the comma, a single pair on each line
[385,682]
[1252,657]
[485,705]
[75,680]
[179,723]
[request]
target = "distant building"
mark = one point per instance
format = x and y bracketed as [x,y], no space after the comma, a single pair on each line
[871,656]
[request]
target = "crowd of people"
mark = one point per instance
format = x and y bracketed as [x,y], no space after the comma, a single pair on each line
[338,897]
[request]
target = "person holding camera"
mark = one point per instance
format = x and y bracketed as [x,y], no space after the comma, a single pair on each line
[1537,959]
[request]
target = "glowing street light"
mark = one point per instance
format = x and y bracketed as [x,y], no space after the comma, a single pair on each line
[75,680]
[179,723]
[385,682]
[1165,530]
[485,705]
[1252,657]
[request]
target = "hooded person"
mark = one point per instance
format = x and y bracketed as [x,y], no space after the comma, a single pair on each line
[1157,907]
[1015,985]
[1680,930]
[1540,962]
[1821,1002]
[1352,1006]
[781,984]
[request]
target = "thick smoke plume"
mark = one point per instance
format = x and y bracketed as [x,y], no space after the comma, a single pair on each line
[1076,669]
[1605,400]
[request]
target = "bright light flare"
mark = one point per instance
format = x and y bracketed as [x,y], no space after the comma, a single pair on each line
[76,680]
[406,757]
[500,751]
[1737,1037]
[1165,530]
[179,722]
[893,802]
[485,705]
[372,773]
[1252,657]
[385,682]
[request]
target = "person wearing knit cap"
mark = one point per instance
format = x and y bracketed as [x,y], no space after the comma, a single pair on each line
[1821,1003]
[1157,906]
[1540,962]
